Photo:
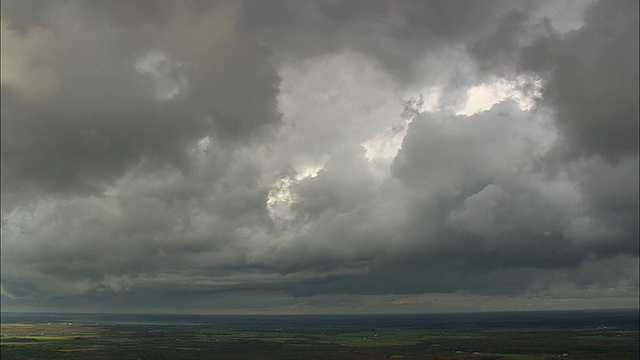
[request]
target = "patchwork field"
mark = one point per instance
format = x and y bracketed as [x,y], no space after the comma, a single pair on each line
[318,338]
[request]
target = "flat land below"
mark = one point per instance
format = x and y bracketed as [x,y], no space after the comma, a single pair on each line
[527,336]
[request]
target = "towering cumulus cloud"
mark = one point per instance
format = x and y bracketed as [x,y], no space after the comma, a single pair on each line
[319,156]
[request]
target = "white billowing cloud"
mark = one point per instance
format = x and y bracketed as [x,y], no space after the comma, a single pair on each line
[333,99]
[329,103]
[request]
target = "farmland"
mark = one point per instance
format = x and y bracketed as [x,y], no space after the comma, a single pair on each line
[528,336]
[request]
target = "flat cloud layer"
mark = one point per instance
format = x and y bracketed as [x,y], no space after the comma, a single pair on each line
[322,156]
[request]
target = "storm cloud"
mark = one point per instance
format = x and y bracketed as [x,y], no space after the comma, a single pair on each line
[319,156]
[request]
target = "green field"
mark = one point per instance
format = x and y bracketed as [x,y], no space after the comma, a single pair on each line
[78,340]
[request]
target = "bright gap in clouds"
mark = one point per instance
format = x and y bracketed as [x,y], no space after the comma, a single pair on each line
[327,103]
[523,90]
[280,196]
[384,146]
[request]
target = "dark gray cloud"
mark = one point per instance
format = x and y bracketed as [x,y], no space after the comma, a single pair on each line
[81,105]
[255,155]
[398,34]
[593,84]
[591,73]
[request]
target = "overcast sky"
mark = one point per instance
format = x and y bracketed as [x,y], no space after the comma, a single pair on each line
[330,156]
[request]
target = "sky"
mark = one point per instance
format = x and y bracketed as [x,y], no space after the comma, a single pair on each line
[322,156]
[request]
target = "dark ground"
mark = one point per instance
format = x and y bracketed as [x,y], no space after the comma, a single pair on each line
[531,335]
